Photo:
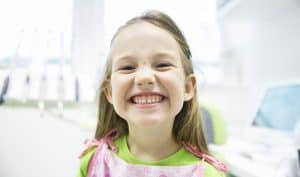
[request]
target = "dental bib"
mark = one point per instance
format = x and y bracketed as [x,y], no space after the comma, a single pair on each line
[106,163]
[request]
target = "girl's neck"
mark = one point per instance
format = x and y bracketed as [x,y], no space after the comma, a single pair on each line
[152,145]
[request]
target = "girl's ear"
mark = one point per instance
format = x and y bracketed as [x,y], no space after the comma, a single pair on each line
[107,91]
[190,86]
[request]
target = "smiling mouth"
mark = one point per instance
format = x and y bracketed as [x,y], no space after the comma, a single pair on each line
[149,99]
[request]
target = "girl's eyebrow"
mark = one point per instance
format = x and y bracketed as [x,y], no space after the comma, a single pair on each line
[164,55]
[123,58]
[158,55]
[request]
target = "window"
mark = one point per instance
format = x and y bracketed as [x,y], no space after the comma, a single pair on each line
[35,30]
[35,38]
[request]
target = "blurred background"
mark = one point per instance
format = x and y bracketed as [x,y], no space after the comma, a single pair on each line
[246,57]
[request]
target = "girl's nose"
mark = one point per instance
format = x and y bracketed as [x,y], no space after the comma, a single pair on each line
[145,78]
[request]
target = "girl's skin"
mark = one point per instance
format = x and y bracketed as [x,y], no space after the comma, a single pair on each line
[148,88]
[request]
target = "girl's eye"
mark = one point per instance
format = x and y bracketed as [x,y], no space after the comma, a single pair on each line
[162,65]
[129,67]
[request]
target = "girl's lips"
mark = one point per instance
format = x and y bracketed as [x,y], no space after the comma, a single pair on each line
[147,105]
[143,100]
[146,94]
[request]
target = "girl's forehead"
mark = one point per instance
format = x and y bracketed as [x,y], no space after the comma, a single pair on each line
[141,28]
[144,37]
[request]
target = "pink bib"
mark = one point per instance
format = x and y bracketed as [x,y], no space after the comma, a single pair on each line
[106,163]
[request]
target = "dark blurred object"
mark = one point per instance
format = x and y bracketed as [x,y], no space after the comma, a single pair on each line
[4,90]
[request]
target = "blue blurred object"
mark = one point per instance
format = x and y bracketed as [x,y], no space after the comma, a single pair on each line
[280,108]
[77,90]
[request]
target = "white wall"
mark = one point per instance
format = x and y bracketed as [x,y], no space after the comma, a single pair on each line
[264,36]
[235,104]
[88,36]
[260,45]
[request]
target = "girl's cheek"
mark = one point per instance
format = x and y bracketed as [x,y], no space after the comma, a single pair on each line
[173,76]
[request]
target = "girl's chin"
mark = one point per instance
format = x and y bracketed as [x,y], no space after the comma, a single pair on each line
[148,121]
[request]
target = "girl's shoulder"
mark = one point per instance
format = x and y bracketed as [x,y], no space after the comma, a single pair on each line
[84,162]
[211,171]
[86,158]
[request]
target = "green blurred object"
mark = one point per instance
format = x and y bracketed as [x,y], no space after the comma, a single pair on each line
[34,103]
[214,129]
[213,124]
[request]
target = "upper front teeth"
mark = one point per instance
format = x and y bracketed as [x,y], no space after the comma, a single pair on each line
[147,99]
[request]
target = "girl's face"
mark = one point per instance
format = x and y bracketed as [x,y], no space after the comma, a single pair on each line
[148,86]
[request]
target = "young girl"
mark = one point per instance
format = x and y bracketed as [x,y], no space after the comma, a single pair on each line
[149,122]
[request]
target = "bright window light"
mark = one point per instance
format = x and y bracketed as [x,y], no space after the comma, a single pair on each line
[36,27]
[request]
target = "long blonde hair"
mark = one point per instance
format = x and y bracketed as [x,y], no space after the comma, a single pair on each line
[187,125]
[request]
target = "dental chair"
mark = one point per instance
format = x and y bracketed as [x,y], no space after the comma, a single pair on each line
[214,128]
[214,125]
